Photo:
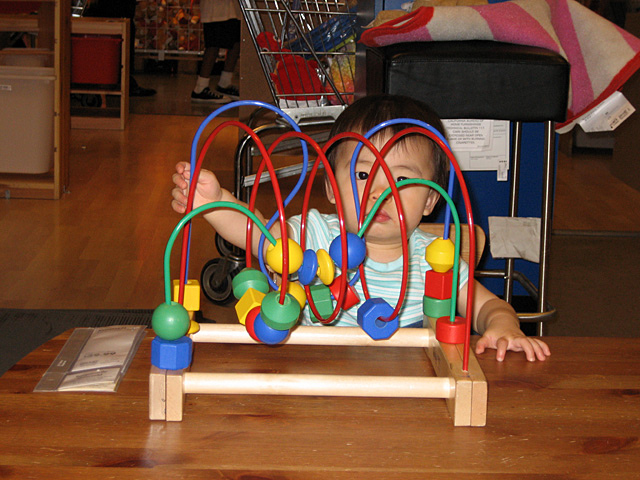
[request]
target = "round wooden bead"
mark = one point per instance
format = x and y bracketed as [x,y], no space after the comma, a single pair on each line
[297,291]
[249,278]
[249,322]
[266,334]
[440,254]
[451,332]
[309,268]
[370,315]
[170,321]
[435,307]
[279,316]
[326,268]
[356,250]
[274,256]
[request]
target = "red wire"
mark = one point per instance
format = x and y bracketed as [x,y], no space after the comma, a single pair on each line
[321,159]
[472,234]
[380,161]
[192,189]
[396,195]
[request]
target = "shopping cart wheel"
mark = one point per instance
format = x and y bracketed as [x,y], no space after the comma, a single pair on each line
[225,249]
[216,278]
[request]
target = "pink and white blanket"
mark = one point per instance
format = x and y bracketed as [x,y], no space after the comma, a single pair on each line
[602,55]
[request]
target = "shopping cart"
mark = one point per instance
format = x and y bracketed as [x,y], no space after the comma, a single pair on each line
[306,49]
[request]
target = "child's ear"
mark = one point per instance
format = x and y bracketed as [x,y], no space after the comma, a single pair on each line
[328,190]
[432,201]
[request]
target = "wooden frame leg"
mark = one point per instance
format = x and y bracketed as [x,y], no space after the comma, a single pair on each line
[166,394]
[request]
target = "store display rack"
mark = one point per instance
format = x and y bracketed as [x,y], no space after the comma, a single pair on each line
[168,29]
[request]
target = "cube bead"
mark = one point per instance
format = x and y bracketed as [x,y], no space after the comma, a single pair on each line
[191,299]
[438,285]
[251,299]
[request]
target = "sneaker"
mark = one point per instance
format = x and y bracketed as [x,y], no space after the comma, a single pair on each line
[207,95]
[230,91]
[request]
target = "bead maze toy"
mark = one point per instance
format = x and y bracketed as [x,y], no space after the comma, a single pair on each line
[269,313]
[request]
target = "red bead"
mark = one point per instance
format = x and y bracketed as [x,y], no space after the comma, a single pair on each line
[250,320]
[351,298]
[438,285]
[448,332]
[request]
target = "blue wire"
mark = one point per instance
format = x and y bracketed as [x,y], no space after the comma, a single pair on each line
[224,108]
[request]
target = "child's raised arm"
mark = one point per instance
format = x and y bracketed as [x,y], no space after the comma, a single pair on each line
[229,223]
[499,326]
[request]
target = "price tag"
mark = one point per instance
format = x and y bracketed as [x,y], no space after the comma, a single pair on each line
[608,115]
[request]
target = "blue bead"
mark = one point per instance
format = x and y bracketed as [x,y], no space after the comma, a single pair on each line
[309,268]
[370,314]
[356,250]
[266,334]
[171,354]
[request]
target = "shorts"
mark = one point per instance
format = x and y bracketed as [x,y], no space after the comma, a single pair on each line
[221,34]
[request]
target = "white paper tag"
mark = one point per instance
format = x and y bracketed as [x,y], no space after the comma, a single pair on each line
[608,115]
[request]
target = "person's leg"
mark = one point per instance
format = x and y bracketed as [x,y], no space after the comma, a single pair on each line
[201,92]
[208,61]
[226,77]
[231,31]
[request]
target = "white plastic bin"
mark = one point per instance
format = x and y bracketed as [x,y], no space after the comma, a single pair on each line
[26,119]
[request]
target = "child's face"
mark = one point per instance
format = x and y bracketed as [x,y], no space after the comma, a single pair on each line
[411,159]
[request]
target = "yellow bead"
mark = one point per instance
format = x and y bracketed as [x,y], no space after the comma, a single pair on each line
[191,300]
[326,268]
[194,327]
[297,291]
[251,299]
[273,256]
[440,255]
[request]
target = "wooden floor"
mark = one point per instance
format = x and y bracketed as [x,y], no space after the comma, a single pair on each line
[101,246]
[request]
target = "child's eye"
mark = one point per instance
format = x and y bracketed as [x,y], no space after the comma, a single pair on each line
[399,179]
[362,175]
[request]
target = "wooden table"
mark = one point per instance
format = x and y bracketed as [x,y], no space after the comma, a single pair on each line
[576,416]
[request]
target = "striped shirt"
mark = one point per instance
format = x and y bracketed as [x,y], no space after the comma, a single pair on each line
[383,279]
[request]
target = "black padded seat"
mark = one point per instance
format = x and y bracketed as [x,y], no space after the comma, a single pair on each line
[474,79]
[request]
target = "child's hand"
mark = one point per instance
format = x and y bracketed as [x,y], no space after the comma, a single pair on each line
[533,348]
[207,190]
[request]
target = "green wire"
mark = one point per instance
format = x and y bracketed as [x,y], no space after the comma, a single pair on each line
[189,216]
[456,219]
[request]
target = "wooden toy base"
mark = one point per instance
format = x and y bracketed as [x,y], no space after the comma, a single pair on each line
[464,392]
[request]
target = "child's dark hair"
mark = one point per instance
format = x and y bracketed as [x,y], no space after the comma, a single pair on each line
[367,112]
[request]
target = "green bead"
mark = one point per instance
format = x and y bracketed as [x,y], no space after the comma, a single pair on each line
[321,295]
[249,278]
[170,321]
[435,307]
[279,316]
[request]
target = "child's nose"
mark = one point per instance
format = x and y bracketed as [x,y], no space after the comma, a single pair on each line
[380,184]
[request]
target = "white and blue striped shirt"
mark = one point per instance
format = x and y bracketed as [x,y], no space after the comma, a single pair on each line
[383,279]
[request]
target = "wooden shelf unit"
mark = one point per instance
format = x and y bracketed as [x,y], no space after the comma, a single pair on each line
[104,117]
[52,24]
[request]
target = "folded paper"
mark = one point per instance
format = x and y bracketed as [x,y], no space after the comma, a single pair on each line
[517,237]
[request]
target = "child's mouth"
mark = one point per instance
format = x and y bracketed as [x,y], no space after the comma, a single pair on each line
[381,217]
